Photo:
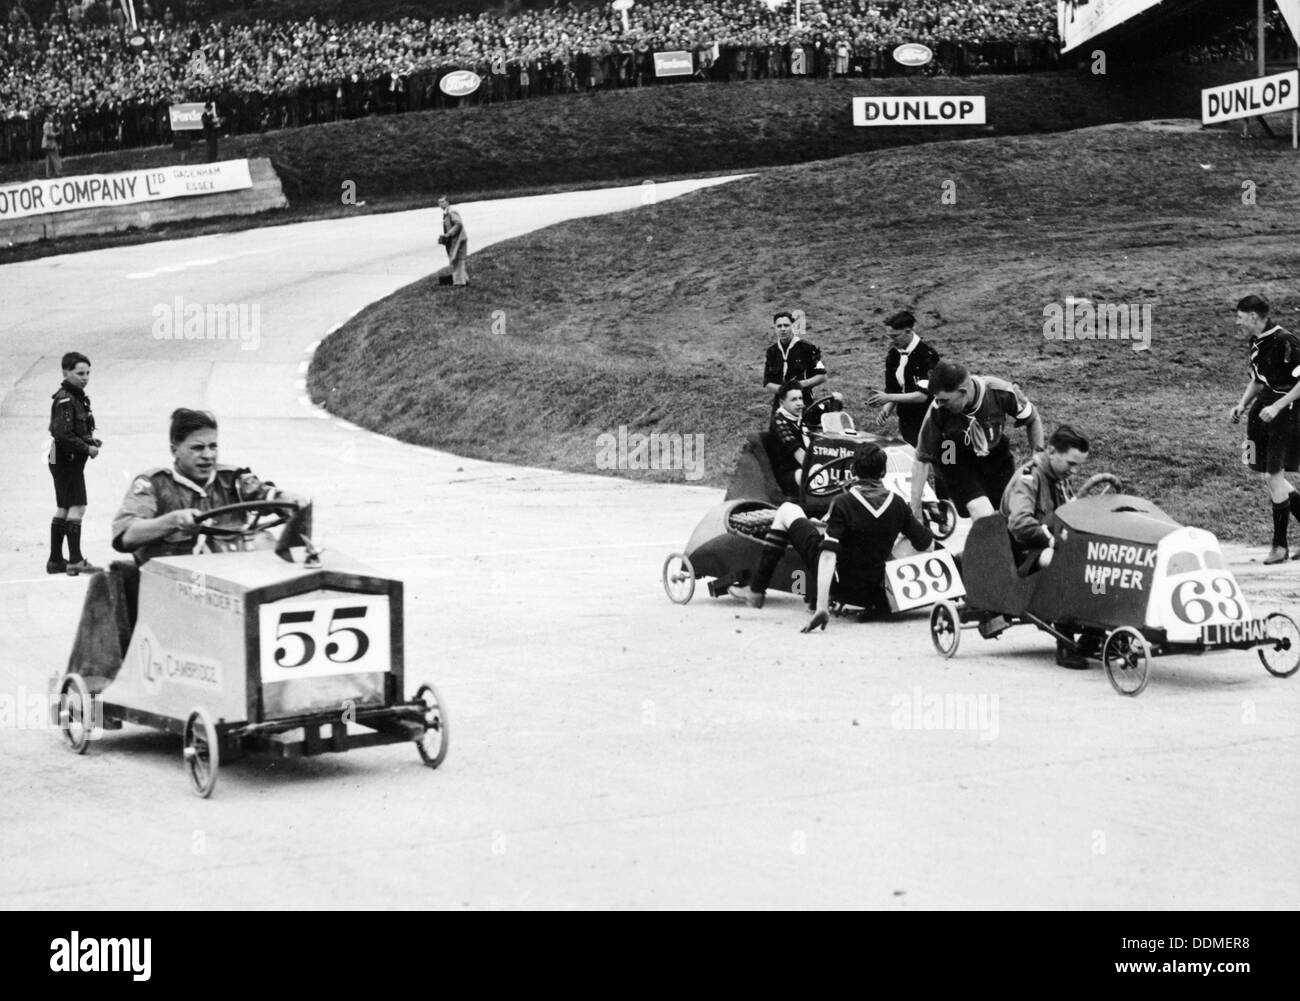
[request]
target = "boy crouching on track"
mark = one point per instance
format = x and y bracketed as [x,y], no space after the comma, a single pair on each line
[862,526]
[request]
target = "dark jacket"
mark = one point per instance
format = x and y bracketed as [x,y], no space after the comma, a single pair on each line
[916,377]
[72,425]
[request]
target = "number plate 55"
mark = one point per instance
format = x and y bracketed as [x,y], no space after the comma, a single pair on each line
[319,636]
[922,579]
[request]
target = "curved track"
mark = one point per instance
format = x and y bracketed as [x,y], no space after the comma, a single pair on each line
[610,749]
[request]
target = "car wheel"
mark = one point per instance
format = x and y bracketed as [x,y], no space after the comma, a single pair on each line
[679,578]
[946,523]
[76,712]
[945,628]
[435,740]
[202,753]
[1283,658]
[1127,657]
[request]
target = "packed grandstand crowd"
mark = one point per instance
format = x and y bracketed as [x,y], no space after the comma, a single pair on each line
[81,64]
[109,85]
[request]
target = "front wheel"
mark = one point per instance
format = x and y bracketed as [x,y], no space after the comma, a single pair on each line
[202,753]
[945,628]
[435,740]
[1127,657]
[679,578]
[1283,658]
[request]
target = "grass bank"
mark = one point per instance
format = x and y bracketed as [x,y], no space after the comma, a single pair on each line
[657,319]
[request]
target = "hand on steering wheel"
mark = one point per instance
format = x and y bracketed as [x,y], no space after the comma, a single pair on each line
[281,510]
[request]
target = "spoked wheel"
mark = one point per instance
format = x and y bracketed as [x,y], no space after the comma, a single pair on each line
[1101,483]
[1281,659]
[437,734]
[942,518]
[1127,657]
[679,578]
[202,753]
[945,628]
[76,712]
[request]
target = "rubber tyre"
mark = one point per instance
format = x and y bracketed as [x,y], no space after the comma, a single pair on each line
[201,753]
[679,578]
[1285,628]
[1127,658]
[945,628]
[433,750]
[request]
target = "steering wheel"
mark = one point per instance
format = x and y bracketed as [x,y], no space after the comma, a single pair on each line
[1101,483]
[282,511]
[812,414]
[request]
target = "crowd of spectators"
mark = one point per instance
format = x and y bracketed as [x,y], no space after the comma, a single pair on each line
[110,85]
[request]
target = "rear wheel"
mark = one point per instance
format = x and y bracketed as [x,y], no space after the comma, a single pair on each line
[679,578]
[202,753]
[945,628]
[76,712]
[1281,659]
[433,744]
[1127,657]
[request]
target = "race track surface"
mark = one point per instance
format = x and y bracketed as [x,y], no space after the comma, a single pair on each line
[609,749]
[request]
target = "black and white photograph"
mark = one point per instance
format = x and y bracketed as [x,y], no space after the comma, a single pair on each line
[652,456]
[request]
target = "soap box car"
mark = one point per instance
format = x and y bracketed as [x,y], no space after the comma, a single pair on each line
[1126,583]
[247,650]
[726,543]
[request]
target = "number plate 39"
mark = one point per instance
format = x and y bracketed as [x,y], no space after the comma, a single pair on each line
[328,633]
[922,579]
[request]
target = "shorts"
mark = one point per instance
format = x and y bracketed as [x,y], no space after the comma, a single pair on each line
[69,482]
[973,477]
[1275,445]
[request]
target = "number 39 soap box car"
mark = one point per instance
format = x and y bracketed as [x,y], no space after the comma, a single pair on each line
[1126,583]
[247,651]
[728,540]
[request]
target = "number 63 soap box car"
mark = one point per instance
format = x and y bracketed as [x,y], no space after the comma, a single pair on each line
[247,651]
[1126,583]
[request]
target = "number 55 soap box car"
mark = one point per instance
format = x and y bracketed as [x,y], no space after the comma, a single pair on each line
[1126,583]
[246,651]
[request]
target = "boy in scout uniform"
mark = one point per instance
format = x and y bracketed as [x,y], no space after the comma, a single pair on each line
[72,428]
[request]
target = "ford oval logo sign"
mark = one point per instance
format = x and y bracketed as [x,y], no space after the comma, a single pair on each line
[913,54]
[460,83]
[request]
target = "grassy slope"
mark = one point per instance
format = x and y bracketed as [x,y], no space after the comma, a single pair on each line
[658,319]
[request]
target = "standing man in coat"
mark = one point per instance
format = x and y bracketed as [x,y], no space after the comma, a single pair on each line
[50,135]
[454,239]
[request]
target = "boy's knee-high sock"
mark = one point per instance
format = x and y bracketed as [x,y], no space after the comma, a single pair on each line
[58,527]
